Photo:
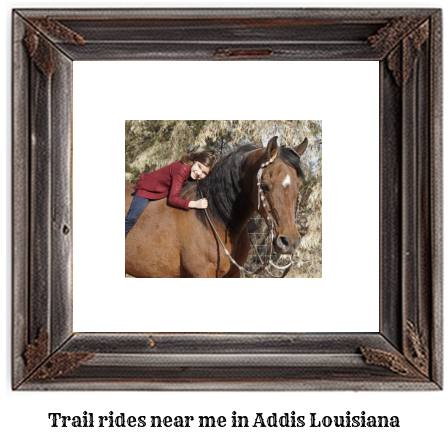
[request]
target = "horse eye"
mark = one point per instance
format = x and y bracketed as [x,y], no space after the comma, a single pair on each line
[265,187]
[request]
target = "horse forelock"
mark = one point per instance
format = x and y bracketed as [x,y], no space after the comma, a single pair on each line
[291,158]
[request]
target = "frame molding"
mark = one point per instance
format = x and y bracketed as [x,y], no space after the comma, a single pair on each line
[406,354]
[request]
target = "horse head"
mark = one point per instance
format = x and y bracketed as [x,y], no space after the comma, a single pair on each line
[278,183]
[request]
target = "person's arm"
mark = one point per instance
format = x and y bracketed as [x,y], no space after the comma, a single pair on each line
[174,200]
[176,185]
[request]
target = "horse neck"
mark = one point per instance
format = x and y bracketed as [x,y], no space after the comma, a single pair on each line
[244,216]
[240,205]
[247,207]
[248,177]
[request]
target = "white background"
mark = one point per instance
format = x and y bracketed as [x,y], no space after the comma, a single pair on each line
[421,414]
[347,101]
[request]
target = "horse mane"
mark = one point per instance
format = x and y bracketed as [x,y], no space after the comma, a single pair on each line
[223,190]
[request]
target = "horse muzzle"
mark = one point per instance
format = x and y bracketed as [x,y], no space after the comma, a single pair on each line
[286,244]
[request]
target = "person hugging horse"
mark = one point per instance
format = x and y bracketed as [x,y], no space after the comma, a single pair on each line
[167,183]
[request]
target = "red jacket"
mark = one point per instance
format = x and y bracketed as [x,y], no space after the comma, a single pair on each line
[165,182]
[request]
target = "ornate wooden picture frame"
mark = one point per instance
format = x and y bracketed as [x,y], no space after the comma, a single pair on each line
[406,353]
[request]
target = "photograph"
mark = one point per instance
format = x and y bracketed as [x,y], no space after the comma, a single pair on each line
[223,198]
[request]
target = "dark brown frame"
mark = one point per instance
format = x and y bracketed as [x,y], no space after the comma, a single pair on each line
[406,354]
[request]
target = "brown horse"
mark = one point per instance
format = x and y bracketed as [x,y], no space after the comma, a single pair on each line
[169,242]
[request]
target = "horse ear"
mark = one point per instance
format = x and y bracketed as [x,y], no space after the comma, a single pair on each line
[271,149]
[301,148]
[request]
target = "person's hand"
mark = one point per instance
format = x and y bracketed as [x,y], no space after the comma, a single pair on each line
[201,203]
